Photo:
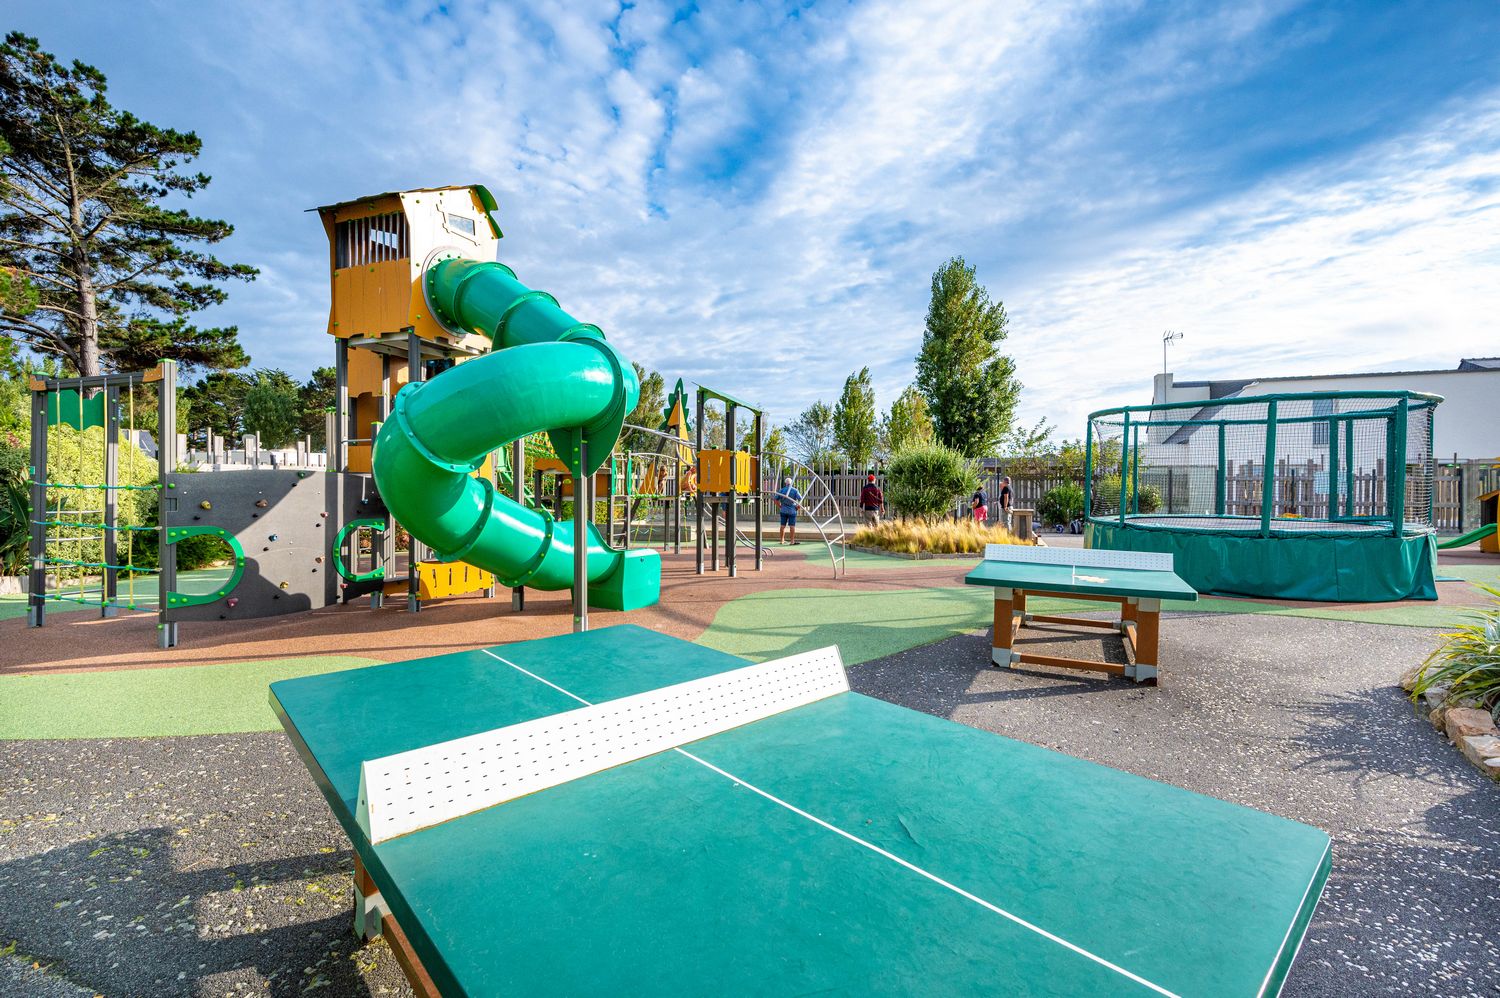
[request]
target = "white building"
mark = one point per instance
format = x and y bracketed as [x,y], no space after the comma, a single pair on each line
[1467,424]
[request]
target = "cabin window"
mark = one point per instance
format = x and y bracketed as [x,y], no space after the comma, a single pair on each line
[459,223]
[373,239]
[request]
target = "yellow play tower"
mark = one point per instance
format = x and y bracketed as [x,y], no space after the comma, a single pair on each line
[386,337]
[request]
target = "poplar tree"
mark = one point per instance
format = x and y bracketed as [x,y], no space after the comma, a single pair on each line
[970,386]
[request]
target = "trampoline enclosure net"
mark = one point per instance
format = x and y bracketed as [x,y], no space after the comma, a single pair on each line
[1337,462]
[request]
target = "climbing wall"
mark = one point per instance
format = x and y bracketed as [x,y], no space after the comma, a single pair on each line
[285,524]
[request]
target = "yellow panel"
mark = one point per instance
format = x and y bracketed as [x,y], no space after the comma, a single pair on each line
[441,579]
[713,471]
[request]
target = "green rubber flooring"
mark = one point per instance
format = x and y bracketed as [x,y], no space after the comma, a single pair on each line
[866,625]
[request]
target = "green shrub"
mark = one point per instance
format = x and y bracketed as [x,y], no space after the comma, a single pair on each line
[1107,488]
[1468,660]
[15,526]
[926,480]
[1062,504]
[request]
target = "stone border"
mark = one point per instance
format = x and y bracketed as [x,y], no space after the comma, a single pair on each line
[1470,728]
[915,556]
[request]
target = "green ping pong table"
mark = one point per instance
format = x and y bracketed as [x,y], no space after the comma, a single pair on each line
[1136,580]
[774,834]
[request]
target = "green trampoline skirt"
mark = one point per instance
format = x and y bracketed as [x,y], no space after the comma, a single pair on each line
[1332,566]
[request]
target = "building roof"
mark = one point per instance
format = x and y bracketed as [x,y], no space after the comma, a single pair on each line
[1227,388]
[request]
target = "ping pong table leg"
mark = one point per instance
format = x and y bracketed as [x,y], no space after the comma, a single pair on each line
[1144,633]
[369,906]
[1004,629]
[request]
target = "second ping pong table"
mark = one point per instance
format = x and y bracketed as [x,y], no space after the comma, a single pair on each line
[1137,581]
[720,841]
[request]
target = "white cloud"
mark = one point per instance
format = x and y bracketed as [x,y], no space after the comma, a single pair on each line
[756,198]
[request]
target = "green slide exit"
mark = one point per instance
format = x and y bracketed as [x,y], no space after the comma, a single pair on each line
[1463,540]
[547,371]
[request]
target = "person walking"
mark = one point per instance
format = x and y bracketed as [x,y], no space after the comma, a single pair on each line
[871,501]
[1005,500]
[789,497]
[979,505]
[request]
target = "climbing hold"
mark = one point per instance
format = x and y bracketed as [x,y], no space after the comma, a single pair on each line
[286,585]
[273,538]
[205,504]
[197,517]
[319,559]
[232,602]
[261,504]
[324,514]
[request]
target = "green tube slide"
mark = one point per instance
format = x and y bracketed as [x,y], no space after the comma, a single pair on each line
[547,371]
[1463,540]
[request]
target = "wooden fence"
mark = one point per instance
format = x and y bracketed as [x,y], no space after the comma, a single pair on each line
[1301,490]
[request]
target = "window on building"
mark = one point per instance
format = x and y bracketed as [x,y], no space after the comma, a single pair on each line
[373,239]
[459,223]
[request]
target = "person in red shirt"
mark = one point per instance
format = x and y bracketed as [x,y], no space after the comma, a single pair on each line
[871,502]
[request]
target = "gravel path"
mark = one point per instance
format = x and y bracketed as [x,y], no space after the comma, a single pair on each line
[1299,717]
[178,866]
[209,865]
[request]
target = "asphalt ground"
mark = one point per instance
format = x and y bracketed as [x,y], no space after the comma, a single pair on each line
[208,865]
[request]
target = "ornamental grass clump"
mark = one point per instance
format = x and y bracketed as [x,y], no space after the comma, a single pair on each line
[932,537]
[1467,663]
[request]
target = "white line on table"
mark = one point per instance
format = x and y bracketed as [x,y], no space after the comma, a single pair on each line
[1017,919]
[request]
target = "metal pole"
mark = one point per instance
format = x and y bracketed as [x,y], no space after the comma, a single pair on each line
[732,506]
[1396,476]
[166,465]
[1268,474]
[109,580]
[338,448]
[518,486]
[36,611]
[382,542]
[698,490]
[1333,468]
[581,490]
[757,483]
[413,547]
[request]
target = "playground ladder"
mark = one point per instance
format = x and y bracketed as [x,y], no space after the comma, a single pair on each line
[818,503]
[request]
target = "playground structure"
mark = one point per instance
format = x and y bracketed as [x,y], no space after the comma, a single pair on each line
[466,378]
[1313,496]
[1488,531]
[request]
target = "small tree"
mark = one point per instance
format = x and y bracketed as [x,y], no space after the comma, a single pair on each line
[970,387]
[925,481]
[854,420]
[107,268]
[314,398]
[647,411]
[811,434]
[272,409]
[218,402]
[907,424]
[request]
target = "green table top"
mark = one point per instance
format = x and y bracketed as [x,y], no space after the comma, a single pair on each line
[665,876]
[1031,577]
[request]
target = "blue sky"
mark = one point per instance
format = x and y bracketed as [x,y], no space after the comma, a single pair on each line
[755,196]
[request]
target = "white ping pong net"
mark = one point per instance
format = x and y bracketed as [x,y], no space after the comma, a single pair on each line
[427,786]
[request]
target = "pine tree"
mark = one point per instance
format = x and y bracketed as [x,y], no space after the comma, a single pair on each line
[111,271]
[970,387]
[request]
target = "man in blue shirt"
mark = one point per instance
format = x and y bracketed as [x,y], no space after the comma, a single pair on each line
[789,497]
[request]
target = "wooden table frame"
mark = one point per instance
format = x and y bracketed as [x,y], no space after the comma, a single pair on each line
[1139,625]
[373,919]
